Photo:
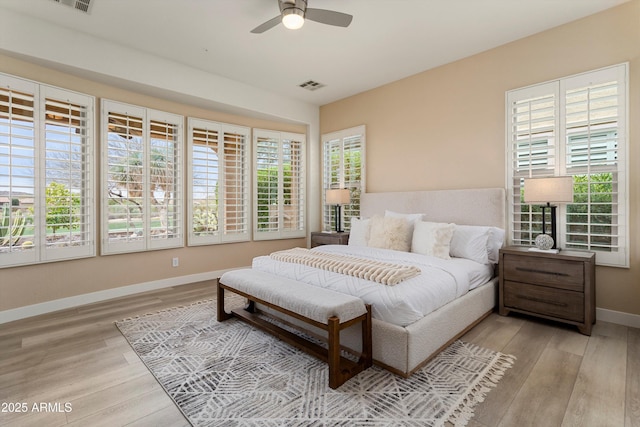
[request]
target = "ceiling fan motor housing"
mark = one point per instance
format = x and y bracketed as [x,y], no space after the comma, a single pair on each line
[297,7]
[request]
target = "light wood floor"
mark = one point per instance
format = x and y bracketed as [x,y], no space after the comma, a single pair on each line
[77,356]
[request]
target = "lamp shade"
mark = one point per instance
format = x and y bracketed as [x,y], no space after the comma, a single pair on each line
[338,196]
[558,189]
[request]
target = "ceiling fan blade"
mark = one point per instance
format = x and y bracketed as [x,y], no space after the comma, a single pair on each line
[330,17]
[267,25]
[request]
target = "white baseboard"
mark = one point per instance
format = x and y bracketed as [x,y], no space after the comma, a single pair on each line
[618,317]
[78,300]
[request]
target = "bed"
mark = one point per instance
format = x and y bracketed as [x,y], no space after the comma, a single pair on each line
[415,319]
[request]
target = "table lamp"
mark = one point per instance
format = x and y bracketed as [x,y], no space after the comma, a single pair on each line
[545,191]
[338,197]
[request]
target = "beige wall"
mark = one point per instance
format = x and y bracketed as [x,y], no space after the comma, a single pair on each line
[445,128]
[23,286]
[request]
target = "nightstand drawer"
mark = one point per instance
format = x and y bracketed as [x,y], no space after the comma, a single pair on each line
[567,305]
[320,238]
[557,273]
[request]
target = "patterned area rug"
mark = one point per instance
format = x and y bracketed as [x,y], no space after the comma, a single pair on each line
[230,374]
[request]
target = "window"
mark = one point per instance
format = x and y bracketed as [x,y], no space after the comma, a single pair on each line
[575,127]
[141,163]
[46,169]
[343,154]
[218,182]
[279,185]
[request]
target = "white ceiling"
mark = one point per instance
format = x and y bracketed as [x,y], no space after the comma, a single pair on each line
[387,40]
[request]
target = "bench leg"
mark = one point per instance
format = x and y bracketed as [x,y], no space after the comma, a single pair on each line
[251,307]
[336,378]
[366,357]
[341,370]
[221,314]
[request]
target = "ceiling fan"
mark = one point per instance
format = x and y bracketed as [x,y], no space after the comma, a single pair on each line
[294,12]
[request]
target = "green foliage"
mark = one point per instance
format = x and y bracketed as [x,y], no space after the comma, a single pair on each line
[268,191]
[205,218]
[11,226]
[62,207]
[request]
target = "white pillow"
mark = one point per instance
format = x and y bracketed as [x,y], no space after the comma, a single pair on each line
[390,233]
[477,243]
[496,240]
[432,238]
[359,232]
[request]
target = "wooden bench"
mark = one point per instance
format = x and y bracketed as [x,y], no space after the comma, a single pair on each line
[323,308]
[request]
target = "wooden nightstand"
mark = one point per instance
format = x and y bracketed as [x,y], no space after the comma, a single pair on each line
[319,238]
[554,286]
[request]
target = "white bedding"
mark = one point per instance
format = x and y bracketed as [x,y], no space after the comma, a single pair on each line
[440,281]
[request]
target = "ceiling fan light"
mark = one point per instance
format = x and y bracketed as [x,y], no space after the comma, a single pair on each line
[292,19]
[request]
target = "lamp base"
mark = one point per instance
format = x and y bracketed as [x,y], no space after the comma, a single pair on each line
[338,219]
[545,243]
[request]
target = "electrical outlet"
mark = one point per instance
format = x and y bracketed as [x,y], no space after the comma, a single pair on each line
[175,262]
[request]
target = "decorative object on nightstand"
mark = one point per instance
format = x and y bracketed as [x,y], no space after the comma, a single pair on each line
[559,287]
[557,189]
[338,197]
[319,238]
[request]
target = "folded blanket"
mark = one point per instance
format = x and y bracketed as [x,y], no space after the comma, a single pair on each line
[376,271]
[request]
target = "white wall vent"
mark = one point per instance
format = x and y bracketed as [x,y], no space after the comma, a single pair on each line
[81,5]
[311,85]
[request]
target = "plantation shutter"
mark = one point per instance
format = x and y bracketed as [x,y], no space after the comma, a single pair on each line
[18,160]
[219,189]
[267,194]
[236,184]
[165,199]
[595,121]
[123,159]
[280,185]
[332,153]
[142,202]
[573,127]
[533,129]
[68,175]
[293,177]
[204,175]
[343,154]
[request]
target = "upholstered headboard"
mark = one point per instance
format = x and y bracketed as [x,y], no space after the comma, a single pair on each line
[484,206]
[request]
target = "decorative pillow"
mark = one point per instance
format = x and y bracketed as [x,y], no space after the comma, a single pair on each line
[411,218]
[477,243]
[390,233]
[359,232]
[432,238]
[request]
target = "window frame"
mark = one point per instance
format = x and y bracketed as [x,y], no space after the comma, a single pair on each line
[44,154]
[221,235]
[562,159]
[300,208]
[147,116]
[335,142]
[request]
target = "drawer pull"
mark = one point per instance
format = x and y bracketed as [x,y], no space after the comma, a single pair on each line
[544,301]
[533,270]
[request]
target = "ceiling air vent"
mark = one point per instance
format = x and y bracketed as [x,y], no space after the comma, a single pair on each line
[81,5]
[311,85]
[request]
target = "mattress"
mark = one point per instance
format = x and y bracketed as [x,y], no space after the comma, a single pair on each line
[440,282]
